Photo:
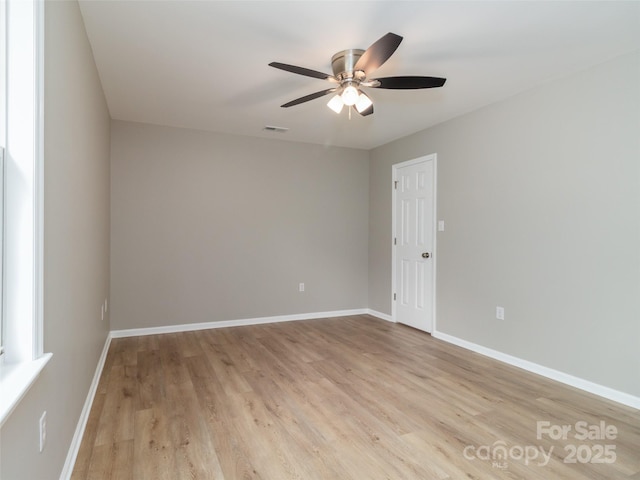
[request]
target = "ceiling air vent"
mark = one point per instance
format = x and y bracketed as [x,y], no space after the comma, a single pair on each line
[271,128]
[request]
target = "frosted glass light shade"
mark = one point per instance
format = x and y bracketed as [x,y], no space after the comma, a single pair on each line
[363,103]
[350,95]
[336,104]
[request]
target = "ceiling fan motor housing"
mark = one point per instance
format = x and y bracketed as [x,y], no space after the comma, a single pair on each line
[344,62]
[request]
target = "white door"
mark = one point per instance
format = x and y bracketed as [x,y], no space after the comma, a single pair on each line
[414,214]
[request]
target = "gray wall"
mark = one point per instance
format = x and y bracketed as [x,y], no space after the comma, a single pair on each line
[76,249]
[209,227]
[541,199]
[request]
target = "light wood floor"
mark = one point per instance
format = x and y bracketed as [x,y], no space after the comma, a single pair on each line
[348,398]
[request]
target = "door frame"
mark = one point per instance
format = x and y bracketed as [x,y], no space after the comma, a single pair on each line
[394,177]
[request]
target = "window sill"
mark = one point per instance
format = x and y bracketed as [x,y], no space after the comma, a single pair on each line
[15,382]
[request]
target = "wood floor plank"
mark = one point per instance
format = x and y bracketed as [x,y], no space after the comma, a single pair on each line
[116,421]
[220,412]
[188,344]
[112,461]
[153,452]
[347,398]
[150,380]
[194,452]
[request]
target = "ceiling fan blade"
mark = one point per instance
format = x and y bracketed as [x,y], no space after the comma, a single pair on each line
[408,83]
[378,53]
[306,98]
[303,71]
[366,112]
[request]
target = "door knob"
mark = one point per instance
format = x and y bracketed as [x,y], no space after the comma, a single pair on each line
[425,255]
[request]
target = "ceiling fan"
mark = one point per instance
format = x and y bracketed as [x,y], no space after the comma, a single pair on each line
[351,70]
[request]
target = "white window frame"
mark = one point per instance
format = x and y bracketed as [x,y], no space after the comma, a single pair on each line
[23,358]
[3,142]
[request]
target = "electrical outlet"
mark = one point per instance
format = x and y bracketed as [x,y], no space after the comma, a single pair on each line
[441,225]
[301,287]
[43,430]
[500,313]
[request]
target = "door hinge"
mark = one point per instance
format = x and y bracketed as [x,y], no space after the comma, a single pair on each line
[395,241]
[395,184]
[394,296]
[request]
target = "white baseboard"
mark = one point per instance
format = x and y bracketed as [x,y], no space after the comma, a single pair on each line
[380,315]
[72,454]
[582,384]
[188,327]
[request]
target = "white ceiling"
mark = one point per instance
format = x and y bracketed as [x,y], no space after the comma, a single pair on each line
[203,64]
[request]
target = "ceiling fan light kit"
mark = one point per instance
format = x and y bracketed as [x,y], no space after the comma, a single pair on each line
[350,71]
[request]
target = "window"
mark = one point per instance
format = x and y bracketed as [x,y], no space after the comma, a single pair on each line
[21,133]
